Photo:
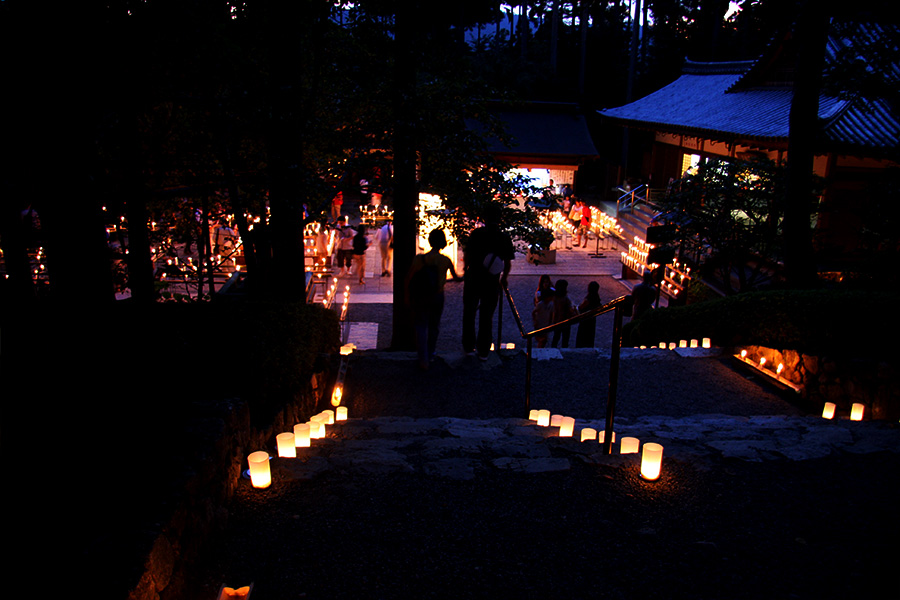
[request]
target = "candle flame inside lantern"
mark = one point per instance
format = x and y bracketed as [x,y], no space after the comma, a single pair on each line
[337,395]
[828,410]
[260,475]
[651,461]
[856,412]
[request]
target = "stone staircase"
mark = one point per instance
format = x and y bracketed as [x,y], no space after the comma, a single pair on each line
[635,222]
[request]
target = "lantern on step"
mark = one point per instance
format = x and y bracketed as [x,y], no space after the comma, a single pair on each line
[340,413]
[286,446]
[588,433]
[544,418]
[260,475]
[566,427]
[301,435]
[828,410]
[651,461]
[856,411]
[555,420]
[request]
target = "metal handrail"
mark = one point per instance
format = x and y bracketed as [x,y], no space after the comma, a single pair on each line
[620,305]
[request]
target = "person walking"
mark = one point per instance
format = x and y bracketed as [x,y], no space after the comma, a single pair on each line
[386,247]
[425,294]
[542,315]
[488,255]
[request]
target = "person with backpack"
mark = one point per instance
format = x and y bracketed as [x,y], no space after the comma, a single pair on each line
[425,294]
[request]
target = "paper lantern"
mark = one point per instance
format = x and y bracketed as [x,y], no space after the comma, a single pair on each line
[856,412]
[695,343]
[651,461]
[533,415]
[329,417]
[601,436]
[316,429]
[682,344]
[828,410]
[301,435]
[260,476]
[566,427]
[544,418]
[555,420]
[340,413]
[662,345]
[707,342]
[588,433]
[672,345]
[286,447]
[629,445]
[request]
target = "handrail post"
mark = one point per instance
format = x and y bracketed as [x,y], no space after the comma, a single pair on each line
[528,343]
[613,379]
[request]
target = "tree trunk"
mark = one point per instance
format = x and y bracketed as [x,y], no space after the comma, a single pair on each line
[811,33]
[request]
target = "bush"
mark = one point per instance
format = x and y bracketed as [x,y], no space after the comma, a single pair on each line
[818,322]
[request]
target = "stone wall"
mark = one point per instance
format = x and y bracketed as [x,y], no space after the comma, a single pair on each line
[224,437]
[842,381]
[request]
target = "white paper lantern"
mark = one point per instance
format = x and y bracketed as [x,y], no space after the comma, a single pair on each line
[260,475]
[629,445]
[651,461]
[286,446]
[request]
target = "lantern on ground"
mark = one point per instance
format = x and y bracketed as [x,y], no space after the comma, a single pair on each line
[286,447]
[707,342]
[533,415]
[588,433]
[328,417]
[651,461]
[856,412]
[629,445]
[544,418]
[555,420]
[828,410]
[601,436]
[340,413]
[260,475]
[301,435]
[566,427]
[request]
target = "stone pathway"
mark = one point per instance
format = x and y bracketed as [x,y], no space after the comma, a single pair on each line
[461,449]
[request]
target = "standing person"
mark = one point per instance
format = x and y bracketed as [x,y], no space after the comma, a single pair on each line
[345,247]
[585,225]
[584,337]
[542,315]
[360,244]
[425,294]
[644,295]
[336,204]
[386,247]
[575,216]
[488,256]
[545,284]
[563,309]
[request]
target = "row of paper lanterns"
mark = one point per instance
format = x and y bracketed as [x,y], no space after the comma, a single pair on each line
[856,411]
[651,456]
[288,442]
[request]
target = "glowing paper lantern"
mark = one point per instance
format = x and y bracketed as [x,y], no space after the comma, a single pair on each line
[662,345]
[601,436]
[328,416]
[707,342]
[856,412]
[316,429]
[301,435]
[629,445]
[682,344]
[260,476]
[566,427]
[555,420]
[588,433]
[544,418]
[695,343]
[286,447]
[533,415]
[828,410]
[671,345]
[340,413]
[651,461]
